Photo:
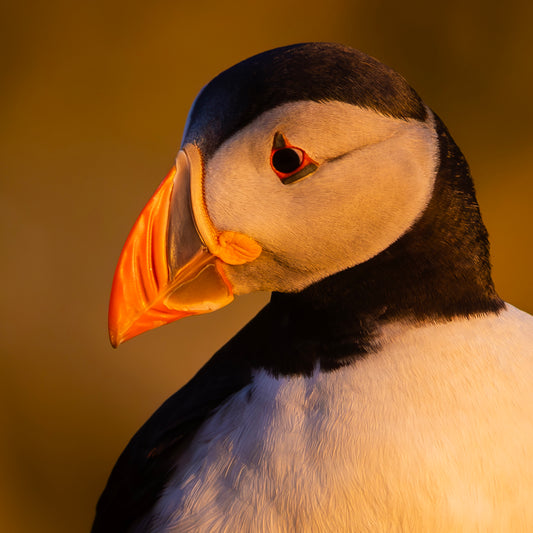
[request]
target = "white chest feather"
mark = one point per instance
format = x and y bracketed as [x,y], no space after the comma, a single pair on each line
[432,433]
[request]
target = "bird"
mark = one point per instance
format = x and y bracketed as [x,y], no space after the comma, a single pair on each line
[386,386]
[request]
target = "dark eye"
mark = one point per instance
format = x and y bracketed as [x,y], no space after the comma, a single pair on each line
[290,163]
[287,160]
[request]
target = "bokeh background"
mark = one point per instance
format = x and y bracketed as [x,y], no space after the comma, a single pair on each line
[94,95]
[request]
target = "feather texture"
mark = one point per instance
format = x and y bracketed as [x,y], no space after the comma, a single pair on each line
[385,444]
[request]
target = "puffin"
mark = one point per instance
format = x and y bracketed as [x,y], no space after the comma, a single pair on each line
[385,386]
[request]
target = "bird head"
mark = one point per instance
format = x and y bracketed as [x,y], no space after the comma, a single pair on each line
[296,164]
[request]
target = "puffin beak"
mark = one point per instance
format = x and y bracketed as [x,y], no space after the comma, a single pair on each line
[167,270]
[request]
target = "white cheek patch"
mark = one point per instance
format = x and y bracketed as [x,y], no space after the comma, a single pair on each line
[374,179]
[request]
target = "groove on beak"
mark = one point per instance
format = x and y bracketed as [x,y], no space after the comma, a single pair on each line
[165,272]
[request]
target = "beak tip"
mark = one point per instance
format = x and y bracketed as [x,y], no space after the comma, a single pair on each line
[115,339]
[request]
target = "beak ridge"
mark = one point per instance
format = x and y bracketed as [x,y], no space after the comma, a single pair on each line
[165,272]
[171,265]
[141,271]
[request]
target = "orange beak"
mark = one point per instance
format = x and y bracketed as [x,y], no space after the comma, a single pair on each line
[165,271]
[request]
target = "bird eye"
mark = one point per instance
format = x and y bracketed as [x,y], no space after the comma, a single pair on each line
[290,163]
[287,160]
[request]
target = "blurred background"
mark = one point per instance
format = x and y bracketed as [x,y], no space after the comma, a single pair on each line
[94,96]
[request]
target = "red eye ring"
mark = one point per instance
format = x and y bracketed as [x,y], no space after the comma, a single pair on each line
[286,161]
[289,162]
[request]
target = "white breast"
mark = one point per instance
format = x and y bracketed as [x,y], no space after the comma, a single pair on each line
[432,433]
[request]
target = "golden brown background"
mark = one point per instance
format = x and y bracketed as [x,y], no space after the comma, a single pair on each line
[94,96]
